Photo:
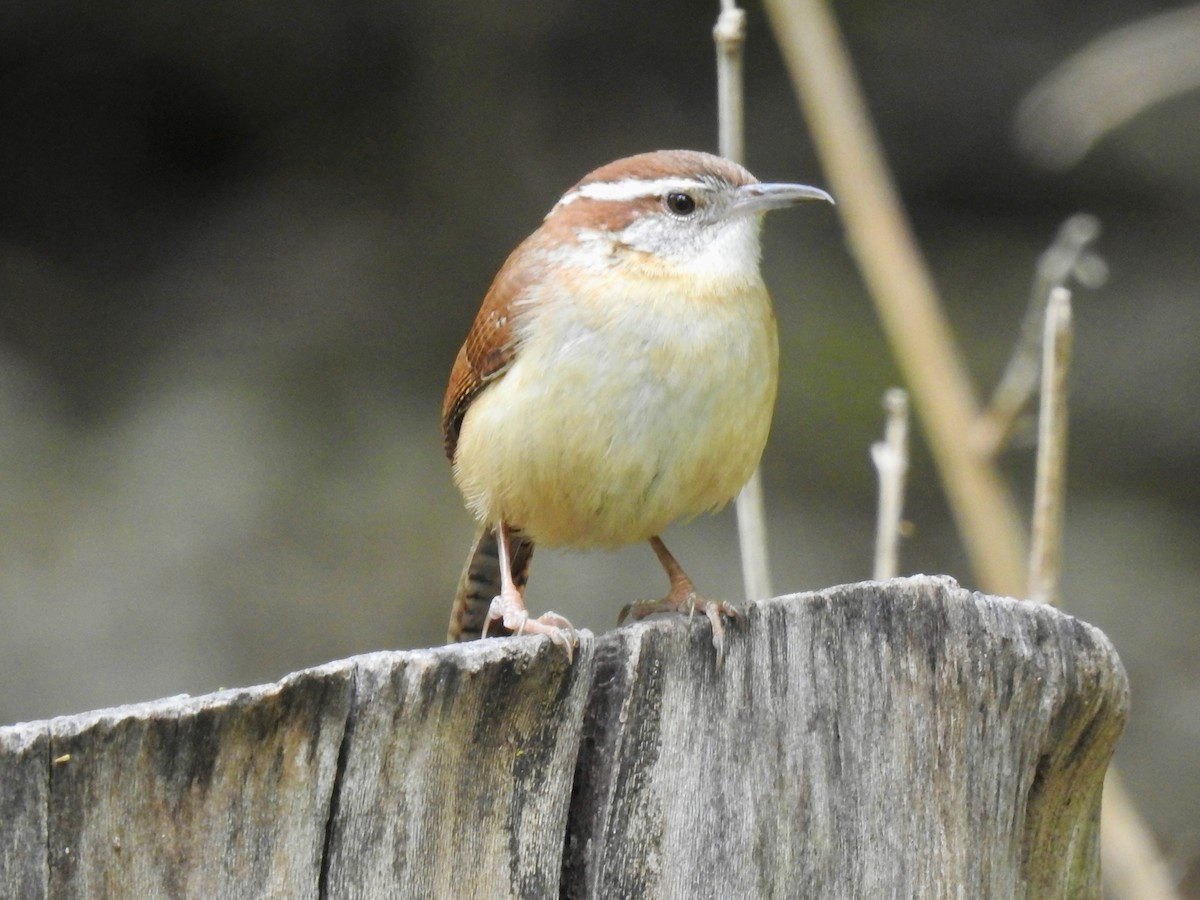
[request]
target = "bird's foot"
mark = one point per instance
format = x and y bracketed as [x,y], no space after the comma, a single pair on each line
[688,601]
[508,608]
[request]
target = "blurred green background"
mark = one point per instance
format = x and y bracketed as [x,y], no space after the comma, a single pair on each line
[241,243]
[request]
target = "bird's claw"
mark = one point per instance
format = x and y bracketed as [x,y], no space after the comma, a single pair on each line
[511,613]
[714,610]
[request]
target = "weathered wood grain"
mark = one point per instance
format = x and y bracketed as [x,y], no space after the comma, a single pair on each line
[456,777]
[419,774]
[24,790]
[903,739]
[218,796]
[906,739]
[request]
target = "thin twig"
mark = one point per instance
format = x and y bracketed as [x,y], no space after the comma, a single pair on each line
[730,37]
[901,287]
[1066,259]
[891,461]
[752,539]
[1049,492]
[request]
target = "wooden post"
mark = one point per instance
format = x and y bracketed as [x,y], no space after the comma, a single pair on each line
[439,773]
[905,738]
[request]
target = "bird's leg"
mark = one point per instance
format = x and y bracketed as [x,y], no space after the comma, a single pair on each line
[509,605]
[682,597]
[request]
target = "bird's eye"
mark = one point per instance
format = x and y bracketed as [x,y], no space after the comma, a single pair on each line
[681,204]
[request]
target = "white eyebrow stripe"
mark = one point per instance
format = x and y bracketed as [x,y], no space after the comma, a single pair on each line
[630,189]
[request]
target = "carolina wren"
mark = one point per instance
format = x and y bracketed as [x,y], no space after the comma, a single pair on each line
[620,376]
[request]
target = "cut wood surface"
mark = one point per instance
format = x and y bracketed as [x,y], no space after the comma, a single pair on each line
[439,773]
[897,739]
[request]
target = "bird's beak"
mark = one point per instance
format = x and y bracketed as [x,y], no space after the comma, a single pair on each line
[759,198]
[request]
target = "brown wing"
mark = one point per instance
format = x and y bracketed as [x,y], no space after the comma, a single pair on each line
[489,348]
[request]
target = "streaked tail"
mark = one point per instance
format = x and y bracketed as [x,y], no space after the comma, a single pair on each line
[480,582]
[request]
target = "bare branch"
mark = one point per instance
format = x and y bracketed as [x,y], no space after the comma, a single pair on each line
[891,461]
[1066,259]
[752,539]
[901,287]
[1049,494]
[730,37]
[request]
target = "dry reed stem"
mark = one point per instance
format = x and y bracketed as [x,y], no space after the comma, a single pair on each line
[730,37]
[1066,259]
[902,289]
[1049,492]
[891,461]
[903,292]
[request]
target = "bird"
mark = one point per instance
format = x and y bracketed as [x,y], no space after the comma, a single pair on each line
[619,376]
